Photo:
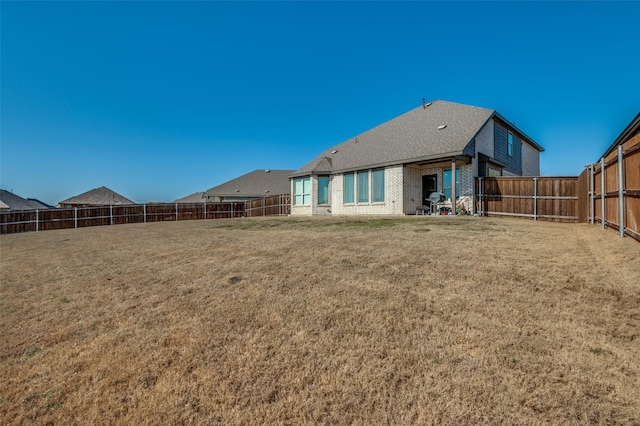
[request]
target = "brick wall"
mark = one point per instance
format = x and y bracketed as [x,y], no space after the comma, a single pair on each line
[530,160]
[392,205]
[484,144]
[402,193]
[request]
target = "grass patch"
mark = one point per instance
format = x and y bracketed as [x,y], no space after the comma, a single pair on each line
[320,321]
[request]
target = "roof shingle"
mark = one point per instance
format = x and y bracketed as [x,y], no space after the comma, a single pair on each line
[436,129]
[102,196]
[258,183]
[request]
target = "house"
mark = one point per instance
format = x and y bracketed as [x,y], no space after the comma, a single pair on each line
[102,196]
[12,202]
[393,168]
[256,184]
[196,197]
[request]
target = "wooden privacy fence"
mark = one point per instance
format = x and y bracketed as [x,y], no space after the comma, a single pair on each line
[538,198]
[41,220]
[612,188]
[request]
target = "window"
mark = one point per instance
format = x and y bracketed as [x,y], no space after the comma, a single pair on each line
[363,187]
[323,190]
[349,188]
[447,183]
[510,144]
[378,186]
[493,172]
[302,191]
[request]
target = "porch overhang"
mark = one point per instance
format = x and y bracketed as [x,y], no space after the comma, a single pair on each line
[459,158]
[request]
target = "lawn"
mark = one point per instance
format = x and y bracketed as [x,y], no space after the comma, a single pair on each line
[321,321]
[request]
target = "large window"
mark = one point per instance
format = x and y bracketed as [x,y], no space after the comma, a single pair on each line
[349,188]
[302,191]
[510,144]
[363,187]
[447,183]
[323,190]
[378,186]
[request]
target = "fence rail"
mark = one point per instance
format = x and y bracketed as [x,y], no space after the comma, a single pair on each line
[612,188]
[538,198]
[80,217]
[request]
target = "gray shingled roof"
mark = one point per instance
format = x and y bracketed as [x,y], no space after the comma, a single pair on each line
[412,136]
[196,197]
[259,183]
[15,202]
[102,196]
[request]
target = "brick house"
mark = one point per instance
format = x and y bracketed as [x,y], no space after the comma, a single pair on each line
[392,169]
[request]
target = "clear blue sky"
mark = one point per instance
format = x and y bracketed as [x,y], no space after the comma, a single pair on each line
[157,100]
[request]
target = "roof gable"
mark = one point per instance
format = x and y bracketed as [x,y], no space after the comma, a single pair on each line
[102,196]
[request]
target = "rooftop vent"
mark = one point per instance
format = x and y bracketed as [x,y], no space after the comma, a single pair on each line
[237,190]
[442,127]
[425,104]
[267,170]
[334,151]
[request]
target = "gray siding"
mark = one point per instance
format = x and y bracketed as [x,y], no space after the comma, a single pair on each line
[470,149]
[512,163]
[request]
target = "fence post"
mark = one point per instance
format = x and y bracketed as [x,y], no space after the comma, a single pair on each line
[621,188]
[144,213]
[602,209]
[176,212]
[37,214]
[75,217]
[110,215]
[205,210]
[231,216]
[480,196]
[592,195]
[535,198]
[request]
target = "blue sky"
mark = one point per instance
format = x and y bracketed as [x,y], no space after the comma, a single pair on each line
[157,100]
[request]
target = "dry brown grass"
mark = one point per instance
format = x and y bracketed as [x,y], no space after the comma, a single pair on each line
[321,321]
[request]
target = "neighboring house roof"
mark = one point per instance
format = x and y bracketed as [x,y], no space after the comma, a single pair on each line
[40,203]
[15,202]
[627,133]
[258,183]
[414,136]
[3,206]
[102,196]
[196,197]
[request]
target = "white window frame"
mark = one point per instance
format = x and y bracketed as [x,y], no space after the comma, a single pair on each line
[303,195]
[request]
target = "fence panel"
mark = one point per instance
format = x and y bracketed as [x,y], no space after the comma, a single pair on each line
[40,220]
[539,198]
[621,193]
